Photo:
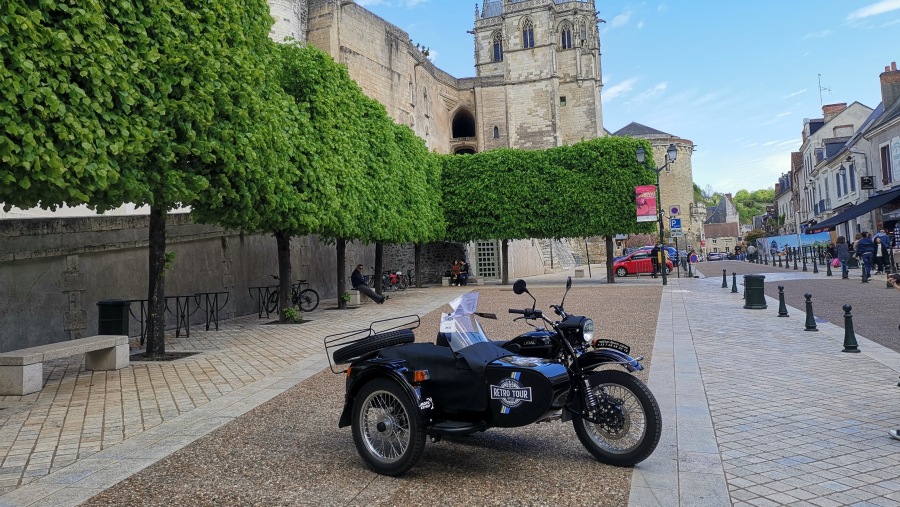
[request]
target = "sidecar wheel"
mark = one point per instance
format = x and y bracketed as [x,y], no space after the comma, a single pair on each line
[387,430]
[373,344]
[632,421]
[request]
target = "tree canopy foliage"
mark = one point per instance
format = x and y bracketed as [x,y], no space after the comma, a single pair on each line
[586,189]
[68,102]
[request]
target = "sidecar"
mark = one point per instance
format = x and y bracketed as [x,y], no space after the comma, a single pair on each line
[398,392]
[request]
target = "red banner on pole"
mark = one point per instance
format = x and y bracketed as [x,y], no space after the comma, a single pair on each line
[646,203]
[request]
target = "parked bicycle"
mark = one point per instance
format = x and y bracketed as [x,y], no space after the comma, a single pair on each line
[304,298]
[394,280]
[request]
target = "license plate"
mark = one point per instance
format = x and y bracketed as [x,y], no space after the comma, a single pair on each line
[612,344]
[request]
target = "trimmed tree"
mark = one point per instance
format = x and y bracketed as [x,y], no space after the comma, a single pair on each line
[217,130]
[573,191]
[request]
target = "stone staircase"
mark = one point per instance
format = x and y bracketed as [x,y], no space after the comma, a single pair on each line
[562,256]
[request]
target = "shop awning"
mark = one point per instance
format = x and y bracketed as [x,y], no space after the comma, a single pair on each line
[867,206]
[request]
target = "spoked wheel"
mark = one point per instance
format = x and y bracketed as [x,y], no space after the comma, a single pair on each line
[308,300]
[272,302]
[628,422]
[401,284]
[387,430]
[621,272]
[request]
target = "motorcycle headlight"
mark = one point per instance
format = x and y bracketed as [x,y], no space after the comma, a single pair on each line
[587,330]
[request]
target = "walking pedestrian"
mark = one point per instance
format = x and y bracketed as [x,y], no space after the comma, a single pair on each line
[865,247]
[881,254]
[843,255]
[894,279]
[654,258]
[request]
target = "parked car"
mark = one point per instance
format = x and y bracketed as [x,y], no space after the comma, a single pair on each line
[716,256]
[637,263]
[671,252]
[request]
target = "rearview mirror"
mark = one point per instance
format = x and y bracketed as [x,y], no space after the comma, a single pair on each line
[520,287]
[569,283]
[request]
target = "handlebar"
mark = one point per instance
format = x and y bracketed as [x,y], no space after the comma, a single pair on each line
[528,313]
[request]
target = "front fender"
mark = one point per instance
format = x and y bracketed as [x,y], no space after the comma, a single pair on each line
[600,357]
[395,374]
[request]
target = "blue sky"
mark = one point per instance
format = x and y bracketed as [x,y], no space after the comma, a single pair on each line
[736,78]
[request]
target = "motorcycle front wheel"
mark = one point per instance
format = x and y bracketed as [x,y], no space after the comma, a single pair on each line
[387,430]
[629,424]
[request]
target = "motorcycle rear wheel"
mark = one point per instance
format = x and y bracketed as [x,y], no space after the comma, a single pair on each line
[633,428]
[387,430]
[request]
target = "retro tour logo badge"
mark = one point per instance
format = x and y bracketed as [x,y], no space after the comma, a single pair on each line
[511,393]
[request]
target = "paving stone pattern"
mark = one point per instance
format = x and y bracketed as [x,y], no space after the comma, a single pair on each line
[756,411]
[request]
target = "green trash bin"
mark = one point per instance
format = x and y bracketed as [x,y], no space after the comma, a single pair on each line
[755,292]
[112,317]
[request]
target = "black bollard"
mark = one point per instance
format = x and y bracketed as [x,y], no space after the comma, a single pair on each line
[828,268]
[810,318]
[850,344]
[779,262]
[724,279]
[782,308]
[815,267]
[803,254]
[795,261]
[767,260]
[734,283]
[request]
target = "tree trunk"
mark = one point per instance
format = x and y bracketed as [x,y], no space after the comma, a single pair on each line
[156,302]
[610,276]
[418,255]
[341,247]
[504,252]
[283,240]
[379,266]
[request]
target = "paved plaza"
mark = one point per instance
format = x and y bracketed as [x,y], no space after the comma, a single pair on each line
[756,410]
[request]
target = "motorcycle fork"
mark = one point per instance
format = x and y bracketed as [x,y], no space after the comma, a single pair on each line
[583,401]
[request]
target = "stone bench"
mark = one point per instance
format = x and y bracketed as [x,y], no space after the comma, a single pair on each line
[445,281]
[22,371]
[356,298]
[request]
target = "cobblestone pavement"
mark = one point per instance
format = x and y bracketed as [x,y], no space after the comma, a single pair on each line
[760,412]
[756,410]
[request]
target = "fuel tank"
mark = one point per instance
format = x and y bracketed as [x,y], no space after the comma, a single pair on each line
[535,343]
[522,389]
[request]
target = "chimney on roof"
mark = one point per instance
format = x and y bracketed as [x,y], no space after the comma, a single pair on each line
[832,110]
[890,85]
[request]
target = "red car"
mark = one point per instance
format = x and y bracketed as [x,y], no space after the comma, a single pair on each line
[637,262]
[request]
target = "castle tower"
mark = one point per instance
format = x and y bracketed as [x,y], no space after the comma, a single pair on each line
[538,73]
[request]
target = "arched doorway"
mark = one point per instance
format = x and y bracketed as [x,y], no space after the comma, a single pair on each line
[465,150]
[463,124]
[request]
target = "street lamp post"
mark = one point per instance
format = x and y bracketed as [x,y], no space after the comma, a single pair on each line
[671,155]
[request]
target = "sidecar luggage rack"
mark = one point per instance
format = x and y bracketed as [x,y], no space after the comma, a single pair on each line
[378,327]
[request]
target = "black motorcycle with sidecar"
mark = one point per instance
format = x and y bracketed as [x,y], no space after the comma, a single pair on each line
[398,392]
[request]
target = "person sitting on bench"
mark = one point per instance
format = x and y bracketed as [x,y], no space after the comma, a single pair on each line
[358,281]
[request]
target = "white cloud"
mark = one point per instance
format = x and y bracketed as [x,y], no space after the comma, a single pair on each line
[610,93]
[817,35]
[651,93]
[800,92]
[874,9]
[620,20]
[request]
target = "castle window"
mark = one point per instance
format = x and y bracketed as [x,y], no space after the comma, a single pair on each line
[566,36]
[527,34]
[496,132]
[582,31]
[562,102]
[497,44]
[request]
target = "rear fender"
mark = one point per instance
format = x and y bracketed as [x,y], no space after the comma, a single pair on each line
[394,372]
[600,357]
